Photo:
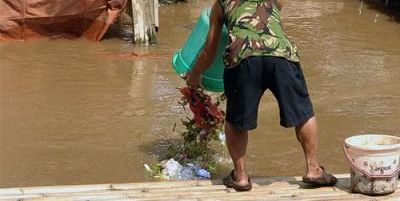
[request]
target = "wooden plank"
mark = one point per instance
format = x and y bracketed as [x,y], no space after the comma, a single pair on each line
[165,184]
[19,197]
[225,196]
[10,191]
[66,189]
[276,188]
[309,193]
[275,181]
[153,192]
[257,196]
[88,197]
[163,194]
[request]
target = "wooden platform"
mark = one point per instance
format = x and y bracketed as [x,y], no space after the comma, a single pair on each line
[277,188]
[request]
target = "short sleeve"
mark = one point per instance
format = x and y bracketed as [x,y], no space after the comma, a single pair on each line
[221,3]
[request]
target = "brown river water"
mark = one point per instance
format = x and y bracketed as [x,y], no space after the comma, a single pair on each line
[77,112]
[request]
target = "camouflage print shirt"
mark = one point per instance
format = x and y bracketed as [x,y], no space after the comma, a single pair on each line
[255,29]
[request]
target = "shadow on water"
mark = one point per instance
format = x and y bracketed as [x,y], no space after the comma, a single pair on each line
[389,7]
[159,148]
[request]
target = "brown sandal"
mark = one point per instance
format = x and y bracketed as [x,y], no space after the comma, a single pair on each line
[230,182]
[326,179]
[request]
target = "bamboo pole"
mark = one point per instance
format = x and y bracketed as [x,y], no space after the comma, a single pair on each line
[143,15]
[156,19]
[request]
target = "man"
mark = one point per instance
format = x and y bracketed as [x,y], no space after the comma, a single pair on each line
[259,56]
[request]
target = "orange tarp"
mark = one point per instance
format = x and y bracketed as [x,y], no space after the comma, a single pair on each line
[29,19]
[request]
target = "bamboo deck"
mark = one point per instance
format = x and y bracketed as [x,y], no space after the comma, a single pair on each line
[276,188]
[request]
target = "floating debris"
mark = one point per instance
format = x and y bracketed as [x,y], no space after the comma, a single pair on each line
[202,173]
[192,157]
[172,169]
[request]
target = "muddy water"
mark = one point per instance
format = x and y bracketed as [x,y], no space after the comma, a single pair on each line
[74,112]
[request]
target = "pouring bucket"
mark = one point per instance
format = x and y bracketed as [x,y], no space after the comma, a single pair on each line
[374,163]
[185,58]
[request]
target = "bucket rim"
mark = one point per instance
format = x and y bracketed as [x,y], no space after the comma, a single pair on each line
[178,58]
[382,147]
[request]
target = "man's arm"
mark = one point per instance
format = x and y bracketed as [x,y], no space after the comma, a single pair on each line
[211,45]
[280,4]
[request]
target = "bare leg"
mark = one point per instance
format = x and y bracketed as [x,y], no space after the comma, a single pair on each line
[236,141]
[307,135]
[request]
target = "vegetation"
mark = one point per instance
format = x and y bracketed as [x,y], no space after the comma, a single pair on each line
[195,145]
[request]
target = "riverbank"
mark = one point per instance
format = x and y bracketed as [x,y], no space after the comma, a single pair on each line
[273,188]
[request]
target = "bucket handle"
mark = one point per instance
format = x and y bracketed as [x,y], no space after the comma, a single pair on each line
[351,163]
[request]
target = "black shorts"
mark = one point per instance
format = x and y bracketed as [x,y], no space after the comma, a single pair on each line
[246,83]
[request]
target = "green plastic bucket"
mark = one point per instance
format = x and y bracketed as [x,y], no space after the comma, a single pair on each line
[184,59]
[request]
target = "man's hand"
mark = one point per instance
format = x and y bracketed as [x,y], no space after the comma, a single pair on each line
[193,80]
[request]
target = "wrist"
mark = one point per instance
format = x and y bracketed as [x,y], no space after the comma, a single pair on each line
[195,72]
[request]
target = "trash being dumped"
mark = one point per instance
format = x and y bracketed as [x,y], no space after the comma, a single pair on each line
[172,169]
[207,115]
[186,174]
[222,137]
[192,157]
[202,173]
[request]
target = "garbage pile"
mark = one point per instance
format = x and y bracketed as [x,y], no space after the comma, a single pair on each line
[192,157]
[172,169]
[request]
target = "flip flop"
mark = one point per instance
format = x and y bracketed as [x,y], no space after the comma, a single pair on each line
[326,179]
[230,182]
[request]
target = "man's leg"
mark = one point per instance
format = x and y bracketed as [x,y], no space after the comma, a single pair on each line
[307,135]
[290,89]
[236,141]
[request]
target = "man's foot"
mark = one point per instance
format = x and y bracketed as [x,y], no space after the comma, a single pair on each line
[229,182]
[324,179]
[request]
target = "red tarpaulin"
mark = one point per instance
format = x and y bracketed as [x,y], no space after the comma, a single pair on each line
[29,19]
